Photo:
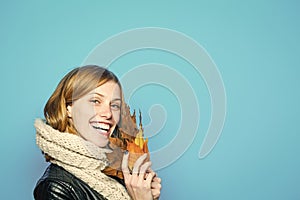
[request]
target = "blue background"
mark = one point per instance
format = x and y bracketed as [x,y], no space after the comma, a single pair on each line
[255,45]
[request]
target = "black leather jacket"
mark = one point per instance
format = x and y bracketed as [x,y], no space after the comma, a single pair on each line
[58,184]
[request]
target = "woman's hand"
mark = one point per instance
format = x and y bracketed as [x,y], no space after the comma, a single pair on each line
[155,186]
[141,182]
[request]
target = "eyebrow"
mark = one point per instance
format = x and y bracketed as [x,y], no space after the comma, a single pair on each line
[101,95]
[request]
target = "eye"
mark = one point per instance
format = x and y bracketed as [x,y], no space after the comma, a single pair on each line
[95,101]
[115,106]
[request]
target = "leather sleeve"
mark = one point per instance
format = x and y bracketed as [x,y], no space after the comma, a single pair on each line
[54,190]
[59,184]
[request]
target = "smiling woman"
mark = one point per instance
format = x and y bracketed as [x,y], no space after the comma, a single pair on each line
[80,117]
[96,114]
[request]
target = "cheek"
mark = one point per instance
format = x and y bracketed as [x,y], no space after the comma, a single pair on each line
[82,113]
[116,116]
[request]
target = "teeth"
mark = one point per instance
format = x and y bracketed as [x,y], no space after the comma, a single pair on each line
[101,126]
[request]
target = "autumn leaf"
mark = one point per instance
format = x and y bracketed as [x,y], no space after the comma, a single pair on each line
[128,137]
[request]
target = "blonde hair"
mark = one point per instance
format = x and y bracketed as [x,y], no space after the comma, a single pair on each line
[73,86]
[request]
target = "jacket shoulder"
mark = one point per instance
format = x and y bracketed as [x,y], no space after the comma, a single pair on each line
[59,184]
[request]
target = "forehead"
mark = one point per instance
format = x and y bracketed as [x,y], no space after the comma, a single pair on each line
[108,89]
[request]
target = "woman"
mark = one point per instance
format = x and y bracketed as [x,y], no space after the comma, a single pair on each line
[80,116]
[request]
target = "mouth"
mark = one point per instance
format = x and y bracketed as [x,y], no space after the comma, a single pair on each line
[102,128]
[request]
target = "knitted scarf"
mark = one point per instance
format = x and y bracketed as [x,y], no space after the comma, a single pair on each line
[79,157]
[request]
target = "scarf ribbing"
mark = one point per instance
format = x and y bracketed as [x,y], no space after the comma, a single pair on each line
[79,157]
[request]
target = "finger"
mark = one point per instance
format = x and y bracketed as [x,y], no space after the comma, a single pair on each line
[155,193]
[143,170]
[125,168]
[150,170]
[147,172]
[145,167]
[155,185]
[150,177]
[138,163]
[156,179]
[126,173]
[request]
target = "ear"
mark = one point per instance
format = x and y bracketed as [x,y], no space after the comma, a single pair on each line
[69,111]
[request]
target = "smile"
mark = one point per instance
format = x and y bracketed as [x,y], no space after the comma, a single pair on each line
[102,128]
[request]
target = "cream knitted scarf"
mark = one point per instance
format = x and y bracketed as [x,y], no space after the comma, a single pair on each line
[79,157]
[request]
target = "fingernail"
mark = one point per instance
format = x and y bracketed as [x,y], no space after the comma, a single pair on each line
[126,152]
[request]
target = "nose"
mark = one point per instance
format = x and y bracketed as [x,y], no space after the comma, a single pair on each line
[105,111]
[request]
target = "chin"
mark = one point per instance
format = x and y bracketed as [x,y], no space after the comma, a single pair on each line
[102,144]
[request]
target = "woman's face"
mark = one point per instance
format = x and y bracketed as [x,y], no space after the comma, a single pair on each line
[96,114]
